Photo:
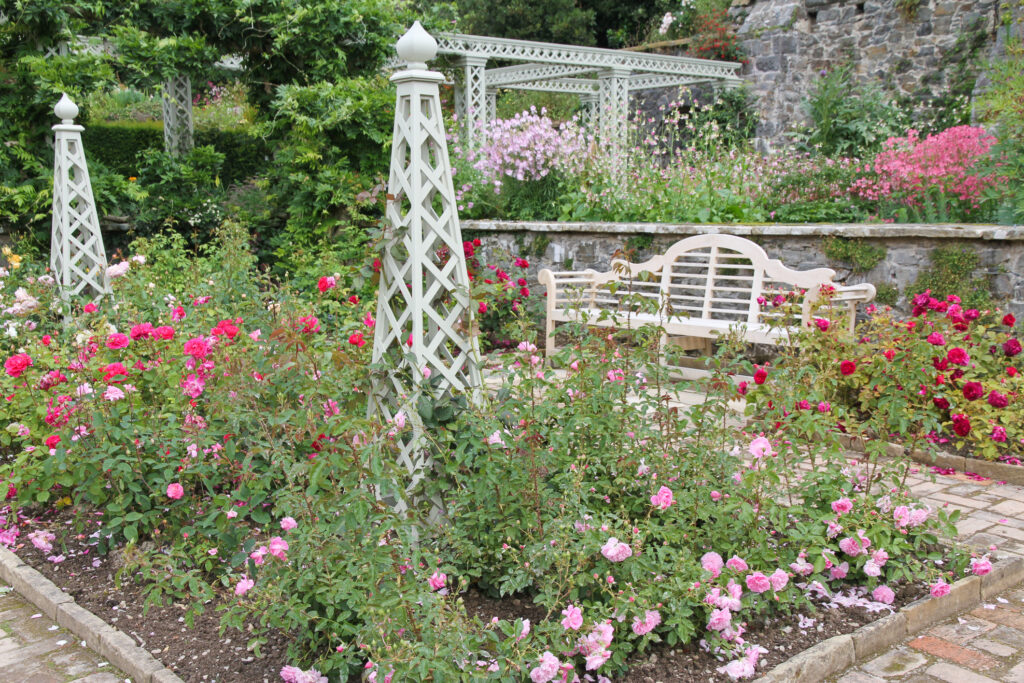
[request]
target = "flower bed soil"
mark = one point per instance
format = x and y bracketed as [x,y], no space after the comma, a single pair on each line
[202,654]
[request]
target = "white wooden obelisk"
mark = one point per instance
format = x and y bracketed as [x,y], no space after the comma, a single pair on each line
[77,257]
[424,341]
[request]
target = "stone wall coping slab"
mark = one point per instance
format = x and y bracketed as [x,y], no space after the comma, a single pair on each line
[115,645]
[865,230]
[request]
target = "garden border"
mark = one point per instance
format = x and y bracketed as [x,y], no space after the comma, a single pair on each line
[1011,474]
[841,652]
[116,646]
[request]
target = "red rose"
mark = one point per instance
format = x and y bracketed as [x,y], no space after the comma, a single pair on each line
[17,364]
[961,424]
[1011,347]
[997,400]
[1011,371]
[889,354]
[973,390]
[1009,320]
[940,403]
[357,340]
[760,375]
[742,388]
[847,367]
[52,441]
[958,356]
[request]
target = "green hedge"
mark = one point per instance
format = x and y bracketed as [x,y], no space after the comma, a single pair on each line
[117,145]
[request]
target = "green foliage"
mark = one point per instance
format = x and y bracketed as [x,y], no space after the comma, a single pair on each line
[886,293]
[954,270]
[182,193]
[847,118]
[559,106]
[859,254]
[553,21]
[1002,105]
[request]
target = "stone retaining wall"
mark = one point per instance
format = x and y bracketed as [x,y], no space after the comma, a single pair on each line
[579,246]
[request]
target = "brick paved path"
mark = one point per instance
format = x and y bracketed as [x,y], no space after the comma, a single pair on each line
[985,645]
[36,650]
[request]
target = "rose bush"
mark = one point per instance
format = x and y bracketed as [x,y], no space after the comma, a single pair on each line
[213,428]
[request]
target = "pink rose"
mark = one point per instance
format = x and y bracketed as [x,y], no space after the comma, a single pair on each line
[288,523]
[736,564]
[758,582]
[761,448]
[713,563]
[573,618]
[779,579]
[546,670]
[663,498]
[175,491]
[437,581]
[842,506]
[615,551]
[117,341]
[652,618]
[17,364]
[840,571]
[981,565]
[883,594]
[939,588]
[243,586]
[850,546]
[720,619]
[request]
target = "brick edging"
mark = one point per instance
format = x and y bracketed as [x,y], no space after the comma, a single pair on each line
[1011,474]
[831,656]
[119,648]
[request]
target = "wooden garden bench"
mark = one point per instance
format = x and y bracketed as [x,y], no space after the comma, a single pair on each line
[700,288]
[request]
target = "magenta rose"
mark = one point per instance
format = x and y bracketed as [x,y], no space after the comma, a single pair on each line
[973,390]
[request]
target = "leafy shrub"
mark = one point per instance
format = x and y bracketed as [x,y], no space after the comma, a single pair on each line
[861,255]
[182,193]
[847,118]
[954,271]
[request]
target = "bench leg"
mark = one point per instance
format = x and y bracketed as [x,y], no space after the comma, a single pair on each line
[549,339]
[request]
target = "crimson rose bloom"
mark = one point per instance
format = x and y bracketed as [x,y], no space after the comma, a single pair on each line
[940,403]
[847,367]
[1009,320]
[1011,347]
[958,356]
[760,375]
[16,364]
[961,425]
[997,400]
[973,390]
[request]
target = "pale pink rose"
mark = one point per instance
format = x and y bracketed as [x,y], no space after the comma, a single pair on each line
[840,571]
[232,513]
[288,523]
[981,565]
[736,564]
[779,579]
[595,660]
[883,594]
[850,546]
[495,439]
[243,586]
[720,619]
[716,496]
[872,569]
[573,618]
[663,498]
[737,669]
[615,551]
[113,393]
[546,670]
[758,582]
[939,588]
[278,547]
[918,517]
[652,618]
[802,567]
[175,491]
[901,514]
[761,448]
[713,563]
[437,581]
[526,630]
[880,557]
[842,506]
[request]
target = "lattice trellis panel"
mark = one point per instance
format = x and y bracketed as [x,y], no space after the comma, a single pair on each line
[177,110]
[474,97]
[77,257]
[424,313]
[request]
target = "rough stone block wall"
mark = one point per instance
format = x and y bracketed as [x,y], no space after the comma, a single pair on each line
[578,246]
[789,43]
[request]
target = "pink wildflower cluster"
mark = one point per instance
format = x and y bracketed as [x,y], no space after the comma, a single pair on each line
[910,167]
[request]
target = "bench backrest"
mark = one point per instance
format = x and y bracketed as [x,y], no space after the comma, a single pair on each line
[718,277]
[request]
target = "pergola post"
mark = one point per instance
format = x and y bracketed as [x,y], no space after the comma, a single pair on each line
[424,336]
[588,116]
[492,105]
[474,97]
[177,111]
[77,257]
[614,104]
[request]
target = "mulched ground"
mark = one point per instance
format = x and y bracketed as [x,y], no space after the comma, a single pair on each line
[201,654]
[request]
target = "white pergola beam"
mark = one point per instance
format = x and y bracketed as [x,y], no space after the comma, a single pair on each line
[527,73]
[579,86]
[573,55]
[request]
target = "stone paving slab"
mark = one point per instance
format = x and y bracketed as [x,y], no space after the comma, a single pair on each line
[34,649]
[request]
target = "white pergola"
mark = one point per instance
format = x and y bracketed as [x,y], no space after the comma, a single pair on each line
[602,78]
